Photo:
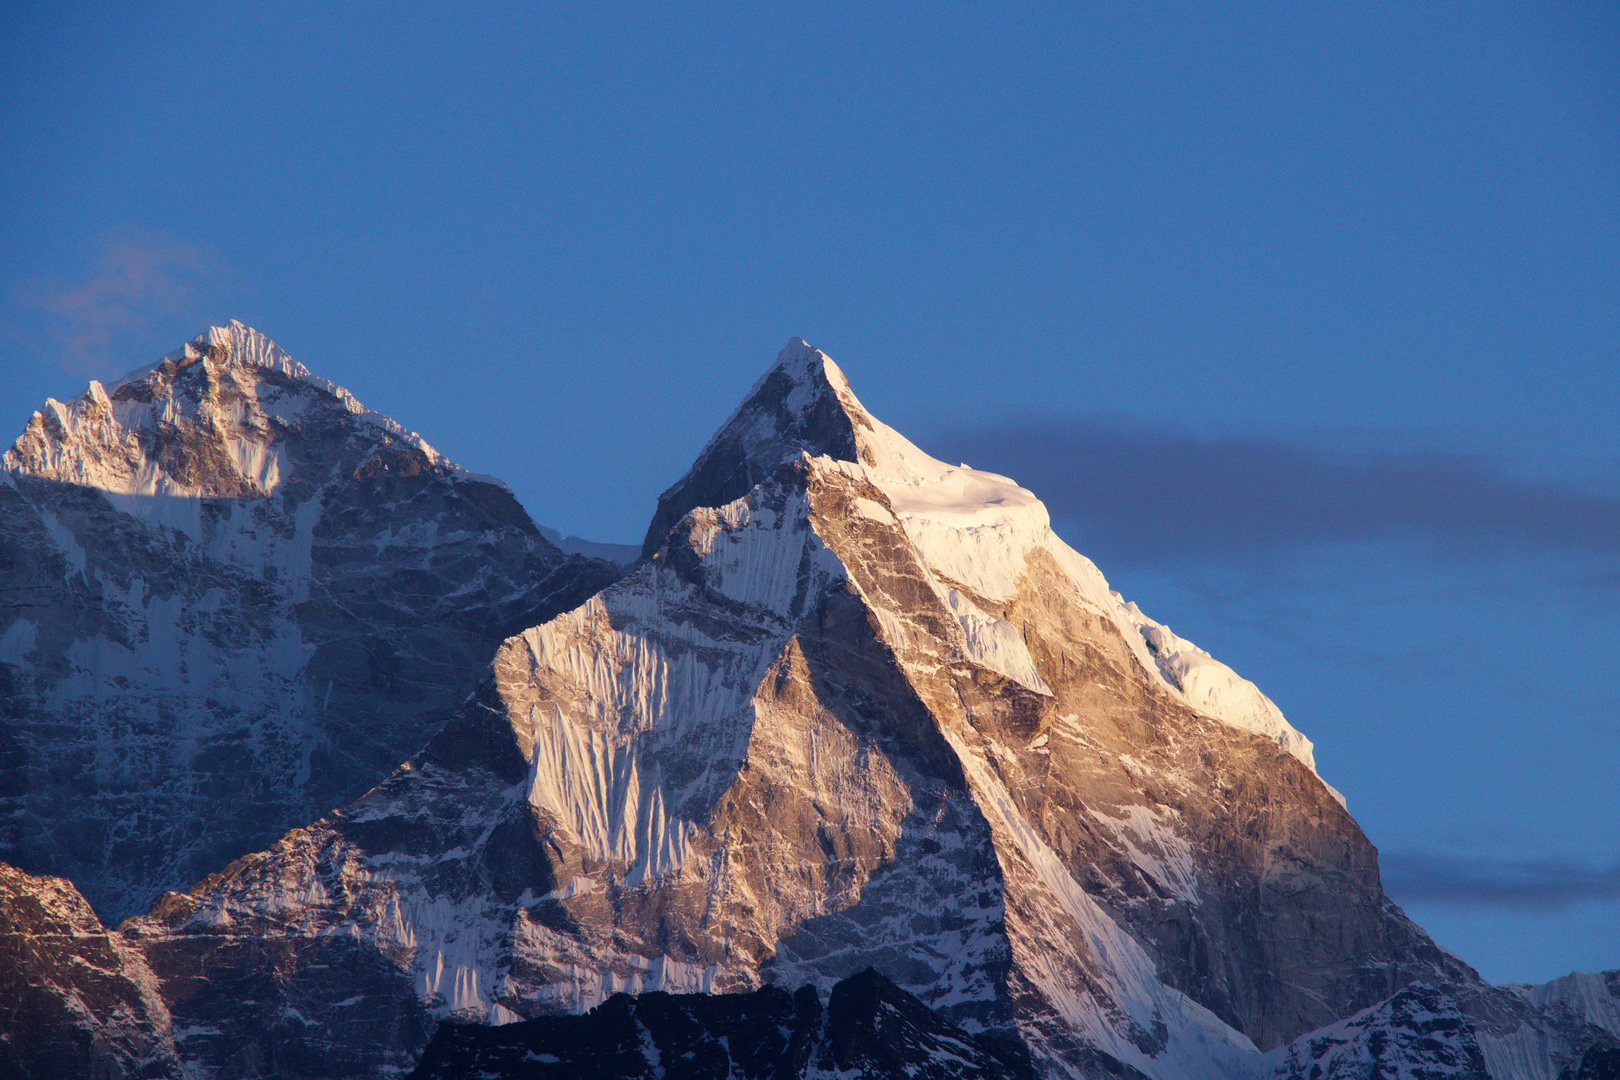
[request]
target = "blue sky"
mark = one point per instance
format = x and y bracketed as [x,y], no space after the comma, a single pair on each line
[1304,319]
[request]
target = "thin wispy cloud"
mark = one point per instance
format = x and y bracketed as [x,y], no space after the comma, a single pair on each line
[1152,496]
[135,278]
[1461,881]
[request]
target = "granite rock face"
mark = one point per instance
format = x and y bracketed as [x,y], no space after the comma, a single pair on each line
[231,599]
[854,709]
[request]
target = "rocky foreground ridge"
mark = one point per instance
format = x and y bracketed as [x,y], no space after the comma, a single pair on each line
[869,1027]
[853,709]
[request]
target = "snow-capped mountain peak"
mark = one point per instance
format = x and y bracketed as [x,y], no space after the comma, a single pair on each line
[236,574]
[207,420]
[802,404]
[975,530]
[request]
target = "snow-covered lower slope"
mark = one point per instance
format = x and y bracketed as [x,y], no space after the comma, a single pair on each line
[230,598]
[1417,1034]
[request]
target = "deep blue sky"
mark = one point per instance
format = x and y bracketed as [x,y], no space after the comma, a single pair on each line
[1304,319]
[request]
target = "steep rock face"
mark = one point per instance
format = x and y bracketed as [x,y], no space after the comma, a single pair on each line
[230,599]
[74,999]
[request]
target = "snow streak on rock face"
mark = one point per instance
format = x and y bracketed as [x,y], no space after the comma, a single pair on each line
[231,599]
[1542,1031]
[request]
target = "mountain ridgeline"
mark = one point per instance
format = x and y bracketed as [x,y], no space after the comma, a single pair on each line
[859,770]
[236,599]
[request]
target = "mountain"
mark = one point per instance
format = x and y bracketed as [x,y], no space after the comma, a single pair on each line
[853,708]
[233,599]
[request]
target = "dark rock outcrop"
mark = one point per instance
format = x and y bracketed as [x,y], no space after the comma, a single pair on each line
[1598,1063]
[75,1000]
[876,1029]
[871,1029]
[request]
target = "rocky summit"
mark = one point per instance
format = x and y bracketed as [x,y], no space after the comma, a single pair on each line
[859,754]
